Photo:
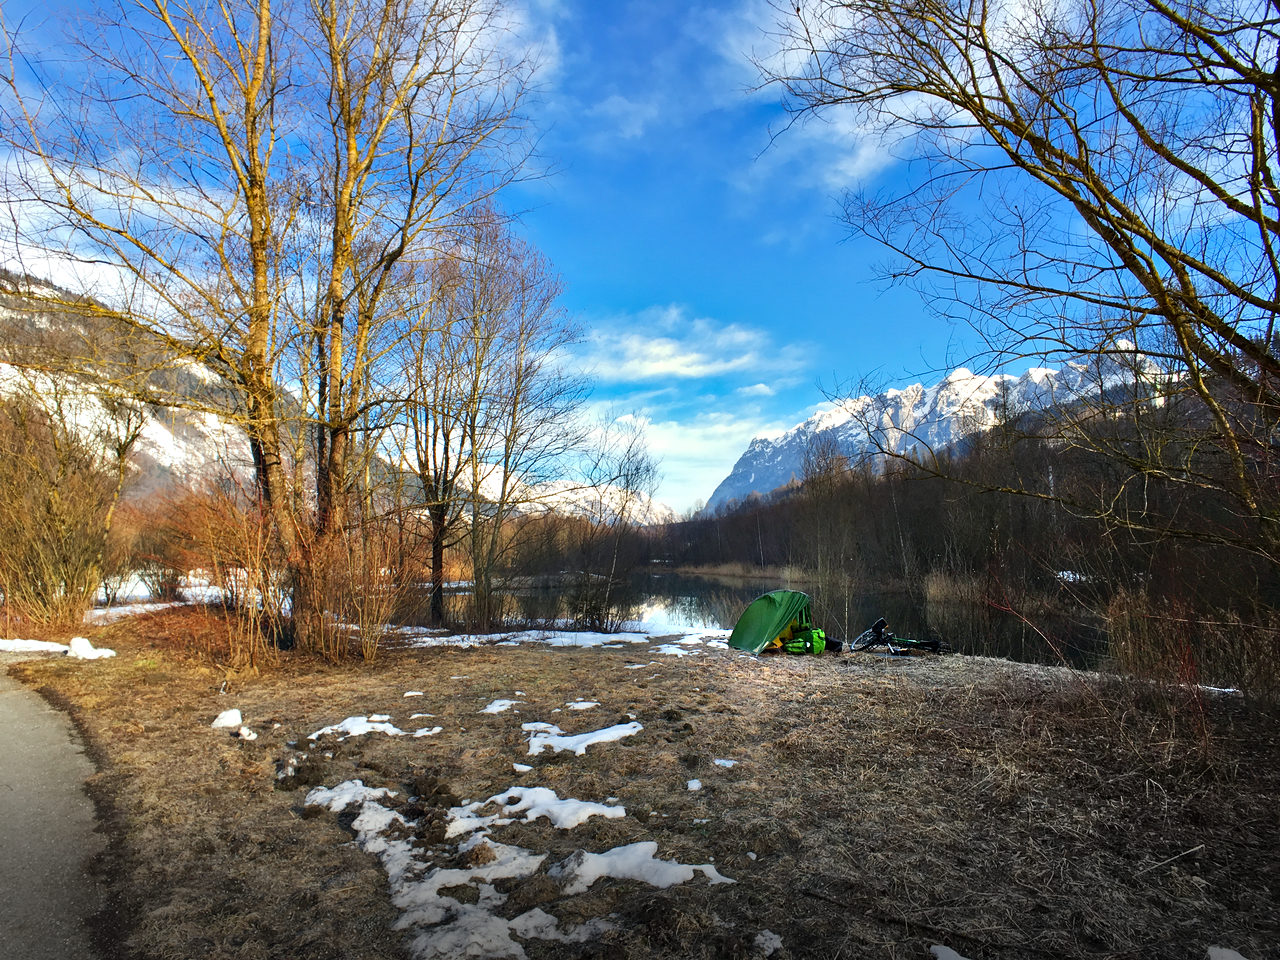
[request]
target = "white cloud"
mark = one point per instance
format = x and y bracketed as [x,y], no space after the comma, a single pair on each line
[528,30]
[665,343]
[697,453]
[627,118]
[756,390]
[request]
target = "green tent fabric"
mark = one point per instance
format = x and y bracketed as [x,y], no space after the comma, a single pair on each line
[766,617]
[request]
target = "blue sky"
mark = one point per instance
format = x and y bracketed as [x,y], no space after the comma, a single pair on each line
[717,291]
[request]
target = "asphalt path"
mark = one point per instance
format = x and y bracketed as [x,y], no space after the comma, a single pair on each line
[46,830]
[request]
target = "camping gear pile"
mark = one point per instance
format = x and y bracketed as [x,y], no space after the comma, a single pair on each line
[781,620]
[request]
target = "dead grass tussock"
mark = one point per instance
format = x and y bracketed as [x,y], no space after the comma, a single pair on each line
[888,804]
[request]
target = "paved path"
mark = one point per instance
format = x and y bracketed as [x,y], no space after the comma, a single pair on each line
[46,830]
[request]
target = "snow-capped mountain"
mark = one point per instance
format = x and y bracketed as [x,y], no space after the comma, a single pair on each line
[606,504]
[174,448]
[918,418]
[183,443]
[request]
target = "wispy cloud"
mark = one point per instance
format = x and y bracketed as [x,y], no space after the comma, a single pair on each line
[663,343]
[697,453]
[701,387]
[625,118]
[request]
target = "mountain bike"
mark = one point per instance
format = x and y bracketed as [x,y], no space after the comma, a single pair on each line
[879,636]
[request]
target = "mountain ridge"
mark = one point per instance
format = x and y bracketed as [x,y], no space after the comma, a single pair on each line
[917,417]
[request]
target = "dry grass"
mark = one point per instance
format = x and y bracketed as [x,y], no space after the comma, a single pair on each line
[1006,812]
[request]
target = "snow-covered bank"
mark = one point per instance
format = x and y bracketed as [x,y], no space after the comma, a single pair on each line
[78,648]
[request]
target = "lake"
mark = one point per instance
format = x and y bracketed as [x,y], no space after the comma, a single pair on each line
[661,599]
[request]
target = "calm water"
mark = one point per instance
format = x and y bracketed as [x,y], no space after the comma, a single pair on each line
[969,628]
[675,601]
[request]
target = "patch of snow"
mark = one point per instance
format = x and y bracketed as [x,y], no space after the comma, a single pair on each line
[101,615]
[544,735]
[694,785]
[535,802]
[500,706]
[336,799]
[582,704]
[539,924]
[413,693]
[244,733]
[725,763]
[633,861]
[521,767]
[32,646]
[674,650]
[768,942]
[1222,953]
[428,731]
[554,638]
[358,726]
[81,649]
[227,718]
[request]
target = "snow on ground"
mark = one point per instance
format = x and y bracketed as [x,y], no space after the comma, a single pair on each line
[632,861]
[227,718]
[32,646]
[677,643]
[544,735]
[194,589]
[444,926]
[358,726]
[500,706]
[79,648]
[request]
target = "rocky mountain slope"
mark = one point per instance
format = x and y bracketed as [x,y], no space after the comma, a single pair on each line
[195,442]
[918,418]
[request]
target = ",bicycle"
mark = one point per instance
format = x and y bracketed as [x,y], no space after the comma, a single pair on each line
[879,636]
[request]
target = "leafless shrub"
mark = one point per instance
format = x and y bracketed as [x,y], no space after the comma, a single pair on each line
[234,539]
[57,498]
[1169,644]
[372,585]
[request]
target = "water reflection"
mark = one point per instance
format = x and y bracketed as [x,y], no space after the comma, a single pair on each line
[670,602]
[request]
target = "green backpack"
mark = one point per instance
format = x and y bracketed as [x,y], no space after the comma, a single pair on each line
[809,640]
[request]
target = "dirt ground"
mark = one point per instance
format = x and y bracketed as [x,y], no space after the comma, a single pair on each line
[876,806]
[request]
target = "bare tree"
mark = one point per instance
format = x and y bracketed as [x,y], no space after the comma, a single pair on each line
[519,414]
[247,181]
[488,412]
[1090,177]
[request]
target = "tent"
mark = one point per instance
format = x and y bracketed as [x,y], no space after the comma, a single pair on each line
[769,617]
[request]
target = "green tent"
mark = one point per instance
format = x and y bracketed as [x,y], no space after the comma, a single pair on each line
[768,617]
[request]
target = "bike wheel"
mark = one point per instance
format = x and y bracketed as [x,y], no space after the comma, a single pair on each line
[863,640]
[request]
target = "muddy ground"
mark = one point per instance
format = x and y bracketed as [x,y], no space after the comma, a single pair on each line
[876,806]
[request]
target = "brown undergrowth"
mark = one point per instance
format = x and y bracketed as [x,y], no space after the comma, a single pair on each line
[875,807]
